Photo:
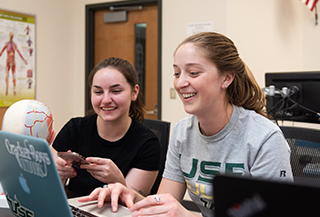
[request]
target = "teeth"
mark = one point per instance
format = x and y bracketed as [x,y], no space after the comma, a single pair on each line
[188,95]
[108,109]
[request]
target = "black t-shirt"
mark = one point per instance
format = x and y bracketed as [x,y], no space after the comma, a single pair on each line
[139,148]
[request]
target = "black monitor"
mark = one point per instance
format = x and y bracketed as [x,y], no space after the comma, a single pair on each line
[296,96]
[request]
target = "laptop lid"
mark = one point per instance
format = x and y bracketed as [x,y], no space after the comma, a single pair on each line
[29,177]
[245,196]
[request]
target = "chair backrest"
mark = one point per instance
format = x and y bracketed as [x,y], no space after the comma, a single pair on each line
[305,151]
[162,130]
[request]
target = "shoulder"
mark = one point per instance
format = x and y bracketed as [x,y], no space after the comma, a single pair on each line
[251,118]
[184,126]
[144,138]
[258,126]
[185,129]
[81,122]
[139,130]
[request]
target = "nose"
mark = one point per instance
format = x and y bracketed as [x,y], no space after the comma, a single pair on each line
[106,98]
[181,81]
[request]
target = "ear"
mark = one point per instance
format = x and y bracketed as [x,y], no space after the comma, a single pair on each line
[228,79]
[135,93]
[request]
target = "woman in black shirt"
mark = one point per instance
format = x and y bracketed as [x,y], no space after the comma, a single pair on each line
[117,147]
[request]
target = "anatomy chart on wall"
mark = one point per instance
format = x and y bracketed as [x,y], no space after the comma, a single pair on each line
[17,57]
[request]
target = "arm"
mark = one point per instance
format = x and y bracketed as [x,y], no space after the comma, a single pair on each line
[141,180]
[5,46]
[25,61]
[176,189]
[273,159]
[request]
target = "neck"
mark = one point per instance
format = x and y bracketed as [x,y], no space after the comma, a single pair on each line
[215,122]
[113,130]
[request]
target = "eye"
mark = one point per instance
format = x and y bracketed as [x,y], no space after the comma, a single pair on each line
[97,92]
[194,74]
[117,91]
[176,74]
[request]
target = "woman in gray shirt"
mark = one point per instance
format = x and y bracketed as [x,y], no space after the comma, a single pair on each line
[227,131]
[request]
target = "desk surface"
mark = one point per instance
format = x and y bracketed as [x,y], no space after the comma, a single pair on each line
[5,212]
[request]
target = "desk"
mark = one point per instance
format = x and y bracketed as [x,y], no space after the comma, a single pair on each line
[5,212]
[4,208]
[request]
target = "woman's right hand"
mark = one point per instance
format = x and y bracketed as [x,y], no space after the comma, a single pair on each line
[65,170]
[113,192]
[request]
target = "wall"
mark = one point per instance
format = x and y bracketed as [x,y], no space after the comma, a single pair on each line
[271,35]
[60,58]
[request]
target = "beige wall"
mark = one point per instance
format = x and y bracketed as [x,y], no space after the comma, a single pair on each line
[271,35]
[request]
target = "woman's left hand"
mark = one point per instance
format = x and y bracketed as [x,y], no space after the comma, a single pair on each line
[160,205]
[105,170]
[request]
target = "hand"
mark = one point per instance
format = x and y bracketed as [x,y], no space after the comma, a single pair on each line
[105,170]
[113,192]
[160,205]
[65,170]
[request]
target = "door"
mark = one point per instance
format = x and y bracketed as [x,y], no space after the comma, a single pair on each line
[135,40]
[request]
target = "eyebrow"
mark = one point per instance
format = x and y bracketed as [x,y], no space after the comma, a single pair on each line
[188,64]
[113,86]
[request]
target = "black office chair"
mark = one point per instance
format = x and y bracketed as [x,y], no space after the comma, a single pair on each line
[305,151]
[162,130]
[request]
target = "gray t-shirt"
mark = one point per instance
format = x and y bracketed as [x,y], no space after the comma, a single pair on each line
[249,145]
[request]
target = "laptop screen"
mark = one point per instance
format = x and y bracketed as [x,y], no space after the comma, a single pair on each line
[245,196]
[29,177]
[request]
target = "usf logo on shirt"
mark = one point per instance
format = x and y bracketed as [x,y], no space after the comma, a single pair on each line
[199,178]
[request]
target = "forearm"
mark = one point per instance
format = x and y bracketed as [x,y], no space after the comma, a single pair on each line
[120,178]
[141,180]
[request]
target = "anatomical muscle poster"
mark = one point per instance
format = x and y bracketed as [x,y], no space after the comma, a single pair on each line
[17,57]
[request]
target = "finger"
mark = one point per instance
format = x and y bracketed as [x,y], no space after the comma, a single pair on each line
[104,193]
[66,171]
[151,211]
[92,196]
[151,200]
[93,159]
[61,162]
[128,201]
[115,193]
[85,166]
[98,160]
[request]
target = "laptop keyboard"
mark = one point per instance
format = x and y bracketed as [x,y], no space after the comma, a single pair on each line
[80,213]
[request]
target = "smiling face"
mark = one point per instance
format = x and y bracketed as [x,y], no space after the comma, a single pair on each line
[198,82]
[111,94]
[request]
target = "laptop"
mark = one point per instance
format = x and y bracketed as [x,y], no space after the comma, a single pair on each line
[245,196]
[31,182]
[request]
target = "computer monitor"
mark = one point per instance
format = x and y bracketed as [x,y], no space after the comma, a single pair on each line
[296,96]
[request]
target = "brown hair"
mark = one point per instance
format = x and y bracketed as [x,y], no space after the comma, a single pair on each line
[244,91]
[136,108]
